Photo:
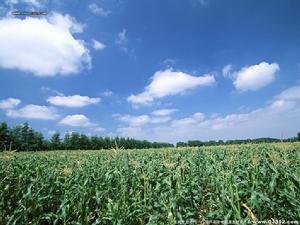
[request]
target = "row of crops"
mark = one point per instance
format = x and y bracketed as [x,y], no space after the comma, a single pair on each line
[167,186]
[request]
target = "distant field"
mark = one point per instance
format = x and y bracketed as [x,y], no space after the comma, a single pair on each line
[164,186]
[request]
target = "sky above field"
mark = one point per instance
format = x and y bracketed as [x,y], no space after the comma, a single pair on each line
[168,70]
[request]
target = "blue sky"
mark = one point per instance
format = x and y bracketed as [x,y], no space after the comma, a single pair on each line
[167,70]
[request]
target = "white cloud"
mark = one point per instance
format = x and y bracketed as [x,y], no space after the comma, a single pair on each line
[50,90]
[287,99]
[279,118]
[195,118]
[226,71]
[98,129]
[77,120]
[43,46]
[282,105]
[135,120]
[130,131]
[36,3]
[292,93]
[107,93]
[80,120]
[169,62]
[33,112]
[160,119]
[74,101]
[142,98]
[98,45]
[94,8]
[168,83]
[228,121]
[255,77]
[122,40]
[163,112]
[9,103]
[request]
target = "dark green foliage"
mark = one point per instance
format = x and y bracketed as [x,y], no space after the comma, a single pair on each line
[181,144]
[236,182]
[4,136]
[196,143]
[67,141]
[56,141]
[24,138]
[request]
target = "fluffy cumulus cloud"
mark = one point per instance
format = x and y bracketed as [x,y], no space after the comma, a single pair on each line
[255,77]
[80,120]
[168,83]
[43,46]
[9,103]
[94,8]
[97,45]
[279,117]
[74,101]
[77,120]
[38,112]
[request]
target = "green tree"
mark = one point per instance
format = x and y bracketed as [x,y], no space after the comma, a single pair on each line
[195,143]
[16,137]
[39,138]
[46,145]
[75,141]
[84,142]
[4,136]
[67,141]
[25,137]
[181,144]
[94,143]
[32,142]
[55,141]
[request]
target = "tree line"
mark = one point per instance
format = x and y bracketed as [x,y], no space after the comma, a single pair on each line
[25,138]
[197,143]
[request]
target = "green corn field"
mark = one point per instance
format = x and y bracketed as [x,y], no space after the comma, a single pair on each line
[164,186]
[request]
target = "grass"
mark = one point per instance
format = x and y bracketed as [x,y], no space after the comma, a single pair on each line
[165,186]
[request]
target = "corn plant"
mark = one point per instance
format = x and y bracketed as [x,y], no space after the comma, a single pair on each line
[234,182]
